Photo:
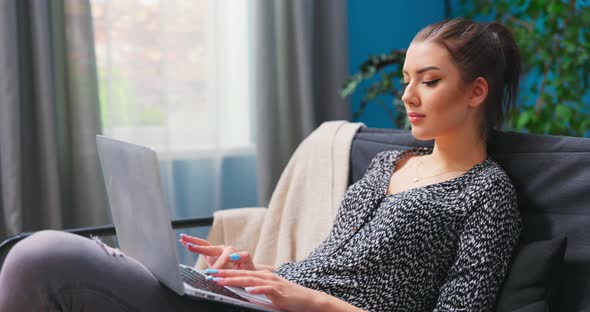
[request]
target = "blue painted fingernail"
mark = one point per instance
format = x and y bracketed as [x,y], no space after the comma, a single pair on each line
[234,257]
[209,278]
[218,279]
[211,271]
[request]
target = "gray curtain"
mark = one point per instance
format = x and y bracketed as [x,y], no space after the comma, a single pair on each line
[301,60]
[49,115]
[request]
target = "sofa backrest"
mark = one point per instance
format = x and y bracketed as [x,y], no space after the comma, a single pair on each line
[552,178]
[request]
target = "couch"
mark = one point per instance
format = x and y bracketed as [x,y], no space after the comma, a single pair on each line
[552,178]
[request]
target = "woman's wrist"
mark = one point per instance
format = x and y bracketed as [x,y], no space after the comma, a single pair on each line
[323,302]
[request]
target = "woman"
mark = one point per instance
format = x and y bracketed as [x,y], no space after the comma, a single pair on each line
[424,229]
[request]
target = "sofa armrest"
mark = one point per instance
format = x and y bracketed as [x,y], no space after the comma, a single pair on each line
[103,230]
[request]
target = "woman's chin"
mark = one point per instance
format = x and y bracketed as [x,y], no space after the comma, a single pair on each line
[420,134]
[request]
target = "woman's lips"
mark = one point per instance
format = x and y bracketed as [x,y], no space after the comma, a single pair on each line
[414,120]
[415,117]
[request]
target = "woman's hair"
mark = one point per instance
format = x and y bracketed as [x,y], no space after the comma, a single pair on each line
[485,50]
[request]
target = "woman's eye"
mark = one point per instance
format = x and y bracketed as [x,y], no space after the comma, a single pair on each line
[431,83]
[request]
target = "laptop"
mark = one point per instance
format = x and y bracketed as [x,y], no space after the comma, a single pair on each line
[142,221]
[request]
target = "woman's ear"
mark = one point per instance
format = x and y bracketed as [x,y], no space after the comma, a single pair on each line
[478,92]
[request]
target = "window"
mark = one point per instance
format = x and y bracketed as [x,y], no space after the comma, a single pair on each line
[174,75]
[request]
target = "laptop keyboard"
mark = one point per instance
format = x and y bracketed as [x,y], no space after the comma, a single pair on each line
[197,280]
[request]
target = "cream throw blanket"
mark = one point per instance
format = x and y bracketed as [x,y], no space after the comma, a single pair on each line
[303,206]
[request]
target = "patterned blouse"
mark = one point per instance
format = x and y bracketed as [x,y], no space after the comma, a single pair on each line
[440,247]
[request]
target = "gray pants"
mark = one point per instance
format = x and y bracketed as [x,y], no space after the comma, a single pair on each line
[58,271]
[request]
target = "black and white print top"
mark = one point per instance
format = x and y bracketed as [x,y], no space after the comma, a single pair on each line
[440,247]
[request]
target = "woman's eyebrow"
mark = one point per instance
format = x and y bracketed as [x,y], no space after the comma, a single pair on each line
[421,70]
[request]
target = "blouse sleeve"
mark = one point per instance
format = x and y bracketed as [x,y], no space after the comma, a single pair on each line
[486,243]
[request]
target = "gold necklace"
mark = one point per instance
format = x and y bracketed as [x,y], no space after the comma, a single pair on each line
[418,177]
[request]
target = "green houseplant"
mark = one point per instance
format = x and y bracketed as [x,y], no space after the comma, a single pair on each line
[554,41]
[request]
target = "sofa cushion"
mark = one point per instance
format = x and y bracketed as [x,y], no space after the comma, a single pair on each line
[532,276]
[539,306]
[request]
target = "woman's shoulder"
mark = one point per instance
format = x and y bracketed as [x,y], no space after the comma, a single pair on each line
[492,176]
[381,159]
[493,185]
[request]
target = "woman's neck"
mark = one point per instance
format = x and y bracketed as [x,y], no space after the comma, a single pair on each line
[461,151]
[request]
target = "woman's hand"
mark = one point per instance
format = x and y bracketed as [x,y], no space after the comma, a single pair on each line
[218,256]
[284,294]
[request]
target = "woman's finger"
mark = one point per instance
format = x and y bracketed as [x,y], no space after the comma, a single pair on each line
[267,275]
[194,240]
[243,281]
[238,260]
[224,258]
[212,251]
[266,290]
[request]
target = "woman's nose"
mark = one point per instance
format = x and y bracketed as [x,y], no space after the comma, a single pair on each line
[408,97]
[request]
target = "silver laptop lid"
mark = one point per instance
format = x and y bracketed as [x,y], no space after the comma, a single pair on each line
[138,206]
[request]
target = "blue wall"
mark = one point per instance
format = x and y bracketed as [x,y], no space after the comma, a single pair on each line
[379,26]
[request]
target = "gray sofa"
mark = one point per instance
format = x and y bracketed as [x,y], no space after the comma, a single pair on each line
[552,178]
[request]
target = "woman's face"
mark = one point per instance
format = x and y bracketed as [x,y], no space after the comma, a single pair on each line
[435,91]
